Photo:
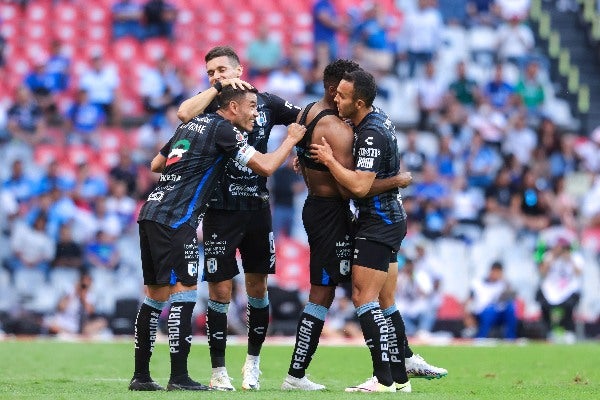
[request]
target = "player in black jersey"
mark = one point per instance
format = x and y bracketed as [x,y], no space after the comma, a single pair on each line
[192,162]
[381,223]
[238,218]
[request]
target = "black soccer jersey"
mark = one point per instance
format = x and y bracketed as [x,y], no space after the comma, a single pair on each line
[241,188]
[196,158]
[376,150]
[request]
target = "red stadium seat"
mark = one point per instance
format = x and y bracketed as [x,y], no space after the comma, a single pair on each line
[126,49]
[38,12]
[155,48]
[46,153]
[450,309]
[66,14]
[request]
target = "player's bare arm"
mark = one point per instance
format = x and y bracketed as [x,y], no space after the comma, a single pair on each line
[400,180]
[267,164]
[357,182]
[196,105]
[158,163]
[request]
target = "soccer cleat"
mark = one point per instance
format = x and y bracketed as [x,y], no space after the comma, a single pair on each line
[372,385]
[137,384]
[220,380]
[293,383]
[250,374]
[417,367]
[403,387]
[185,383]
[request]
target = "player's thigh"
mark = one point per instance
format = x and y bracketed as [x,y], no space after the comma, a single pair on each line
[222,231]
[257,247]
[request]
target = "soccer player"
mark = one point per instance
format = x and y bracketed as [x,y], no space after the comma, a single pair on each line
[238,218]
[192,163]
[381,223]
[326,220]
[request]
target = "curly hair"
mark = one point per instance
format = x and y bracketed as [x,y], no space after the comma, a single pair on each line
[334,72]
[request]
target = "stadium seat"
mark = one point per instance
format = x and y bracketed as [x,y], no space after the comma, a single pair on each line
[123,319]
[63,279]
[286,308]
[450,309]
[155,48]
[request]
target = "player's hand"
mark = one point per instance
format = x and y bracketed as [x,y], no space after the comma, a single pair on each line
[404,179]
[321,152]
[296,132]
[236,83]
[296,165]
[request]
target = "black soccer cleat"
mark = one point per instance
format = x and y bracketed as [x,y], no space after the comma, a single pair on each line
[144,386]
[185,383]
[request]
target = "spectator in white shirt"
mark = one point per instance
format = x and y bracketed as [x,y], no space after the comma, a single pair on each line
[101,82]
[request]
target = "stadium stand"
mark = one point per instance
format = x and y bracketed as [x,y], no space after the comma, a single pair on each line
[564,41]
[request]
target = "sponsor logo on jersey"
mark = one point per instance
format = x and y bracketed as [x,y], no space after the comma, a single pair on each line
[177,151]
[169,178]
[369,140]
[365,162]
[368,152]
[156,196]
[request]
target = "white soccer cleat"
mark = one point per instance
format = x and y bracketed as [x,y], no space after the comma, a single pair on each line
[403,387]
[251,373]
[220,380]
[372,385]
[417,367]
[293,383]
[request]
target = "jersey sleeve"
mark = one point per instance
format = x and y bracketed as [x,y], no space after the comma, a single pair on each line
[212,107]
[369,147]
[234,143]
[164,151]
[284,112]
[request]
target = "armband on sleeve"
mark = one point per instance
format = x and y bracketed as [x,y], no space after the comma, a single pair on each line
[244,154]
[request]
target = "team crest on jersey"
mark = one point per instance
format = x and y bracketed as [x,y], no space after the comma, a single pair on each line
[261,120]
[211,265]
[345,267]
[192,269]
[177,151]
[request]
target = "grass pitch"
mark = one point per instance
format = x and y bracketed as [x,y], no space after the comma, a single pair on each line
[57,370]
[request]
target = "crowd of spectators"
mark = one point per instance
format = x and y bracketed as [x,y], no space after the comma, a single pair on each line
[482,151]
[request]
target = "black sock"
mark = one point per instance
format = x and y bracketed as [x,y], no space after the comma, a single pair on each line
[396,347]
[146,325]
[258,323]
[408,353]
[307,339]
[216,331]
[180,336]
[375,332]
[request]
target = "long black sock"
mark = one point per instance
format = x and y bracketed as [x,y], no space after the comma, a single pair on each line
[408,353]
[216,330]
[375,332]
[180,336]
[146,325]
[258,323]
[396,346]
[308,333]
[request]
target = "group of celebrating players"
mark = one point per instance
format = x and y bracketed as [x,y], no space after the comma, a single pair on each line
[347,152]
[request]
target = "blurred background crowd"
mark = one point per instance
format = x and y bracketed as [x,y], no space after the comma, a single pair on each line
[497,118]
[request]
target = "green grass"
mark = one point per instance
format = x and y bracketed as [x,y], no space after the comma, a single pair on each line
[59,370]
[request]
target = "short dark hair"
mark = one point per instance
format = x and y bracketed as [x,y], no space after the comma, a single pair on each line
[229,94]
[334,72]
[497,265]
[220,51]
[365,88]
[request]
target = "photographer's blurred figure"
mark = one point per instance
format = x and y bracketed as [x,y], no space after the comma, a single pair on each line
[492,303]
[560,289]
[76,312]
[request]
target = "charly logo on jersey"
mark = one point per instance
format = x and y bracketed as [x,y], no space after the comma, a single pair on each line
[369,140]
[177,151]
